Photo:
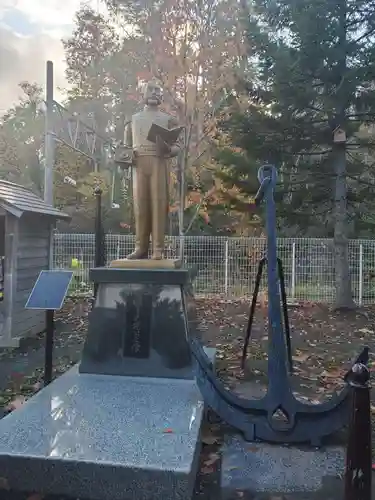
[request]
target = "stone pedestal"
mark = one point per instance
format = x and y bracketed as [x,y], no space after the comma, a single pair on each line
[126,423]
[139,325]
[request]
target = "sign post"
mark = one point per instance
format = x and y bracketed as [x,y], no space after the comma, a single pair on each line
[49,293]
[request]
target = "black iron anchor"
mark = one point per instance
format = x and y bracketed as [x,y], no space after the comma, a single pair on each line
[279,392]
[255,418]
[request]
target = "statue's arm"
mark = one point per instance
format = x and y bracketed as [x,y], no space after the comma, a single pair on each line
[176,147]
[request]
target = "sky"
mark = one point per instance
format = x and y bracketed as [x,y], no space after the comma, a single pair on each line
[30,34]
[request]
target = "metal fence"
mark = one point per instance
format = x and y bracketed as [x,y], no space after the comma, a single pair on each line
[228,266]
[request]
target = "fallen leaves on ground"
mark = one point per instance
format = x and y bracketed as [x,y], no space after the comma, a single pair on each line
[208,466]
[4,485]
[324,343]
[72,333]
[16,403]
[35,496]
[300,356]
[209,440]
[207,470]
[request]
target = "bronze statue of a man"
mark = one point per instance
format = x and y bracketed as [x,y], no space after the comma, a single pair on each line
[150,173]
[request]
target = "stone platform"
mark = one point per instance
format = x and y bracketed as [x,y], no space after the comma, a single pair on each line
[101,437]
[146,264]
[125,424]
[268,472]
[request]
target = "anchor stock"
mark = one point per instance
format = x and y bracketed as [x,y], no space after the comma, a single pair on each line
[255,418]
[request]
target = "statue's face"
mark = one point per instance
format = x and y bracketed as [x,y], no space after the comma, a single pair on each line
[153,94]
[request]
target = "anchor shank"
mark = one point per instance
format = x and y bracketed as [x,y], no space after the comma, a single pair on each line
[278,380]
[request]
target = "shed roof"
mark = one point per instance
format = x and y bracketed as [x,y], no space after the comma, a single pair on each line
[18,200]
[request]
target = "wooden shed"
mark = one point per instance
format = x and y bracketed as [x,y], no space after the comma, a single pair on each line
[26,244]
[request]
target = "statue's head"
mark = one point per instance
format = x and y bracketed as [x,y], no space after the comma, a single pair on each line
[153,93]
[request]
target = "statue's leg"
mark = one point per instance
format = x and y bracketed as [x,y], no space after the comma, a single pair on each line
[159,205]
[142,208]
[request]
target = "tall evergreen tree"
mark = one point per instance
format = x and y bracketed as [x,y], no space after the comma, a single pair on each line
[312,96]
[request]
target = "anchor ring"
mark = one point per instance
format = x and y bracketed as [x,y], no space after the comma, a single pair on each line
[269,171]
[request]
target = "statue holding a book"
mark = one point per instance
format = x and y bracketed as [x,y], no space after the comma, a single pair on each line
[151,139]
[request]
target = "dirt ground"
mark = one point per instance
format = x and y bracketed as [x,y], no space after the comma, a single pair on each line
[21,370]
[324,344]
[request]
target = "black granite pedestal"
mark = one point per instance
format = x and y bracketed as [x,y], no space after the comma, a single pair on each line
[140,324]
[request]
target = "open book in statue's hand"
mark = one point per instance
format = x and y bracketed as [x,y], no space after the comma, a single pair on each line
[169,136]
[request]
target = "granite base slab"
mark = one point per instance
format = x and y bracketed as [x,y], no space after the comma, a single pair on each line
[264,471]
[105,437]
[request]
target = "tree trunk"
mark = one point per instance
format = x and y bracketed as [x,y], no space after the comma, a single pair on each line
[344,296]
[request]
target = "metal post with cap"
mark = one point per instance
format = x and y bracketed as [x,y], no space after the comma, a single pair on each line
[49,143]
[359,450]
[99,234]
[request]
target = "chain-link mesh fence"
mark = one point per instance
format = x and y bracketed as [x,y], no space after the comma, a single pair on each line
[228,266]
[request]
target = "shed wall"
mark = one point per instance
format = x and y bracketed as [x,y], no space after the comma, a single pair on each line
[10,252]
[33,256]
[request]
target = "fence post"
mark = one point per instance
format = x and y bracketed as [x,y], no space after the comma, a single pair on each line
[360,281]
[293,290]
[226,269]
[83,272]
[118,247]
[180,247]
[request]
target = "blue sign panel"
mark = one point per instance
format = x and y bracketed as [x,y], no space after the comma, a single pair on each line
[50,290]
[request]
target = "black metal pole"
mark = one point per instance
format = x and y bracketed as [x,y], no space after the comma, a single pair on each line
[48,352]
[49,142]
[358,454]
[99,243]
[2,278]
[286,315]
[98,228]
[252,311]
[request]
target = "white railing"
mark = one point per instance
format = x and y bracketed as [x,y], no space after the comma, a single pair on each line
[228,266]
